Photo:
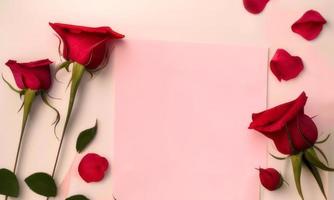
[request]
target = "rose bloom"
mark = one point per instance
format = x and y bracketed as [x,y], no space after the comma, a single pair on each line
[85,45]
[288,126]
[31,75]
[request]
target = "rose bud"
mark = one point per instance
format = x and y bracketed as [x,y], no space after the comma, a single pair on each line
[92,167]
[291,130]
[31,75]
[270,178]
[85,45]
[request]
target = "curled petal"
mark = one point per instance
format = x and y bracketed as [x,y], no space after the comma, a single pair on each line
[310,25]
[285,66]
[276,118]
[255,6]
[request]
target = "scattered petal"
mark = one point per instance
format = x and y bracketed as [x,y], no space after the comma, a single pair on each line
[93,167]
[309,25]
[255,6]
[285,66]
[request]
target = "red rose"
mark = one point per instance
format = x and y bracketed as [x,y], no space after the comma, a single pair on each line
[92,167]
[85,45]
[291,130]
[270,178]
[32,75]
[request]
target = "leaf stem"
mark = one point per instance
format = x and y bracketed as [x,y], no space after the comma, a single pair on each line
[29,97]
[77,73]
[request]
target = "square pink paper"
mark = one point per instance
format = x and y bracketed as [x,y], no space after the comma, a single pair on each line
[181,117]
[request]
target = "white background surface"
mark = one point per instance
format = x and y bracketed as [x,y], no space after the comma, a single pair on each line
[25,35]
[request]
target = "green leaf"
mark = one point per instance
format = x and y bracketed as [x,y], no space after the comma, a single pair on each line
[85,137]
[9,185]
[316,176]
[296,161]
[77,197]
[312,158]
[42,184]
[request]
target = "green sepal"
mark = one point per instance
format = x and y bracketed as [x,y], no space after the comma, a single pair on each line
[9,184]
[312,158]
[11,87]
[316,176]
[77,197]
[91,74]
[324,140]
[85,138]
[42,184]
[277,157]
[65,65]
[322,154]
[297,161]
[21,107]
[56,122]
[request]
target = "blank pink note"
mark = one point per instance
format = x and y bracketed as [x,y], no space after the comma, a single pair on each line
[181,117]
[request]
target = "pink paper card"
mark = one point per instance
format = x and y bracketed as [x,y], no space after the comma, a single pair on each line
[181,117]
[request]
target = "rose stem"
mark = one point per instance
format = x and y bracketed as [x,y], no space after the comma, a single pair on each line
[29,97]
[77,73]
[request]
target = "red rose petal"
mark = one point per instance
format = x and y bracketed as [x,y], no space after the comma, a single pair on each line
[284,66]
[255,6]
[93,167]
[299,134]
[303,131]
[309,25]
[274,119]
